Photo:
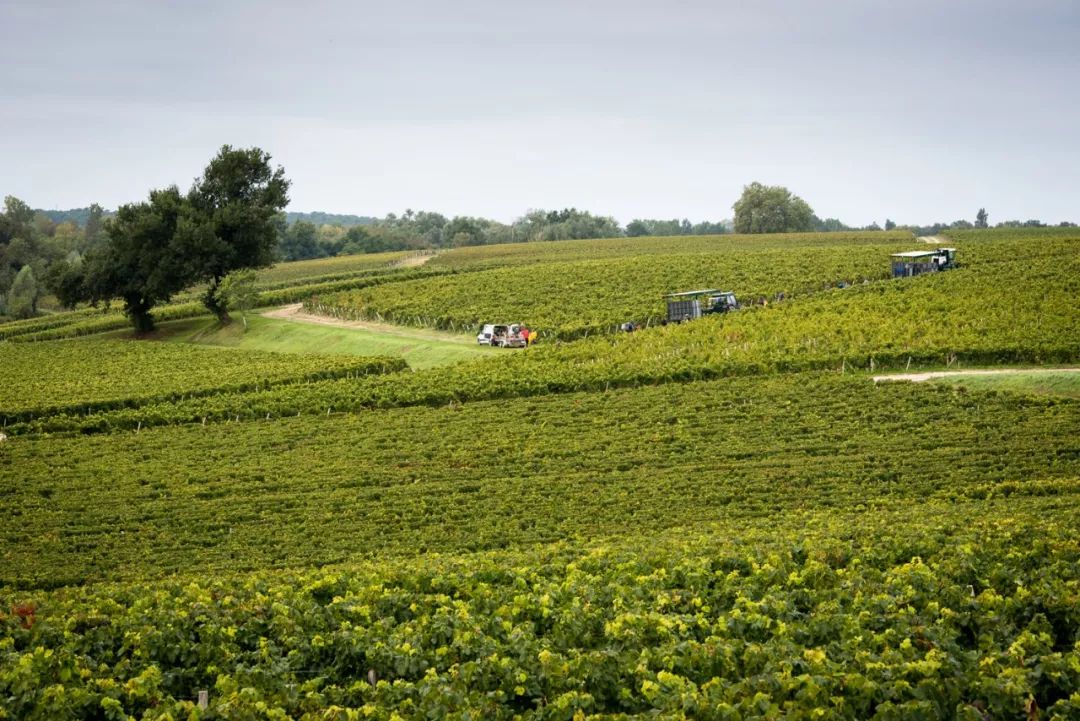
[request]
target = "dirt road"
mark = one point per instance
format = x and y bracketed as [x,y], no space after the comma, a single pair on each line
[297,314]
[412,261]
[920,377]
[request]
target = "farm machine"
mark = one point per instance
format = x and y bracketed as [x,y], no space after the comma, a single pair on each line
[693,304]
[917,262]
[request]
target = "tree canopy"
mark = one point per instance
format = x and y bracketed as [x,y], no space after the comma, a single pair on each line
[771,209]
[230,219]
[138,263]
[233,219]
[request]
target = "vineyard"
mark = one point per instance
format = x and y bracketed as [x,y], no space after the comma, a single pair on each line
[725,519]
[246,495]
[965,611]
[42,378]
[307,270]
[561,251]
[952,319]
[566,300]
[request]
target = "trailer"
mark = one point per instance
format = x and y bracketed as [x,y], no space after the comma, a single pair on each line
[693,304]
[917,262]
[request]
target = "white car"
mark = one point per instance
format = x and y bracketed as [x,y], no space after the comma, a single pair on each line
[501,335]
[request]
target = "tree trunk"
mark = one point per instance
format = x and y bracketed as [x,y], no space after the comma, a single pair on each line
[213,304]
[138,309]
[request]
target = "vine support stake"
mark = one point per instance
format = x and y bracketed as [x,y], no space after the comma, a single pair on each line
[204,699]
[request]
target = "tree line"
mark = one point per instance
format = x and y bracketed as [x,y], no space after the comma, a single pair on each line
[33,247]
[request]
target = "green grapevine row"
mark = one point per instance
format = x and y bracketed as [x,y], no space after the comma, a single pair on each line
[511,472]
[561,251]
[79,377]
[305,269]
[968,612]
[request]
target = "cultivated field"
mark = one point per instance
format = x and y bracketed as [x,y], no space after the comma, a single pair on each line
[724,519]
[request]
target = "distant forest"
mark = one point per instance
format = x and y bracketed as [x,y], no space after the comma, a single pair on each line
[319,234]
[79,216]
[320,218]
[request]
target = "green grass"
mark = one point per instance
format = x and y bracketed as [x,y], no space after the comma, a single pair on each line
[1048,383]
[420,349]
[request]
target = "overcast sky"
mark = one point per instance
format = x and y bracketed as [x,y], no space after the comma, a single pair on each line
[919,111]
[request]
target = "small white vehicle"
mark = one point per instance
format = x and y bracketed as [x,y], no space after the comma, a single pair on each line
[501,335]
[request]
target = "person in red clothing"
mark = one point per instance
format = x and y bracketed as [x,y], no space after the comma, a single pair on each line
[525,335]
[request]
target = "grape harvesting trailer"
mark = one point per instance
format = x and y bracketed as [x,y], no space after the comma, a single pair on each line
[917,262]
[692,304]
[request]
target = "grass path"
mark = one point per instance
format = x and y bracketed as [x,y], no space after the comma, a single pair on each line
[413,261]
[1062,382]
[420,349]
[297,314]
[935,375]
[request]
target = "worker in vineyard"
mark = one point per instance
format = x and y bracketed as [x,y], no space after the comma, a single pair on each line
[525,334]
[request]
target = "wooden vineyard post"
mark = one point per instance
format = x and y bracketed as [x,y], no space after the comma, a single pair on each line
[204,699]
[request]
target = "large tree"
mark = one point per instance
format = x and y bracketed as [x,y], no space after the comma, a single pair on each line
[982,219]
[234,219]
[139,262]
[771,209]
[229,220]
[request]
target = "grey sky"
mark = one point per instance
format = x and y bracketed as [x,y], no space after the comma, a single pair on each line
[916,110]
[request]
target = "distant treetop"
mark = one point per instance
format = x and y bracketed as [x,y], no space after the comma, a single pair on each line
[320,218]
